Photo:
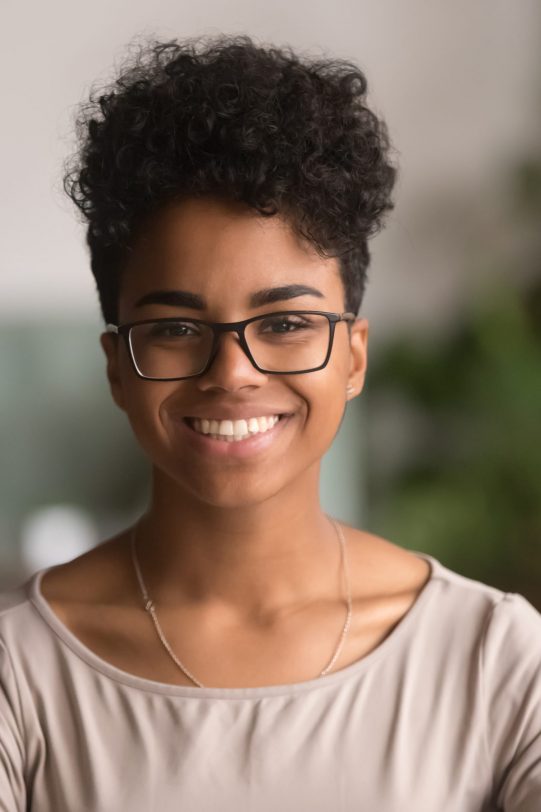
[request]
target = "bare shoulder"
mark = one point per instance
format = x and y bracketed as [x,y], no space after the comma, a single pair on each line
[381,568]
[91,577]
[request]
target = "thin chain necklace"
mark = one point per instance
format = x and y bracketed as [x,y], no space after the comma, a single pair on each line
[151,609]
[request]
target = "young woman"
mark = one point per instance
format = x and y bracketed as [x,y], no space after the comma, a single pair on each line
[237,648]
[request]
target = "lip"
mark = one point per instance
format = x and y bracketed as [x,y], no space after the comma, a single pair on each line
[236,449]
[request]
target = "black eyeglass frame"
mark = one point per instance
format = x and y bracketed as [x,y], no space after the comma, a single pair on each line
[237,327]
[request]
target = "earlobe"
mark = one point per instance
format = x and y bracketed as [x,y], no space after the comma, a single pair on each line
[109,343]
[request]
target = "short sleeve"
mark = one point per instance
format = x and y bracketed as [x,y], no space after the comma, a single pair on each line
[12,783]
[512,686]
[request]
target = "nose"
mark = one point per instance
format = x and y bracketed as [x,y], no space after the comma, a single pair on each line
[231,368]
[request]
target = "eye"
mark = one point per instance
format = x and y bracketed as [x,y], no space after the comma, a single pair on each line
[285,324]
[172,329]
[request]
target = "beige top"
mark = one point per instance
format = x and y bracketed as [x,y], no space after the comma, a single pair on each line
[443,716]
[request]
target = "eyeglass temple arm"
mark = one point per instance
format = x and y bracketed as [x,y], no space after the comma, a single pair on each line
[111,328]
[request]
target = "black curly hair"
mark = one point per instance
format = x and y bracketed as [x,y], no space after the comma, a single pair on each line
[227,117]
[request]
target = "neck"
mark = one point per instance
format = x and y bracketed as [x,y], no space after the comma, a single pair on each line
[245,561]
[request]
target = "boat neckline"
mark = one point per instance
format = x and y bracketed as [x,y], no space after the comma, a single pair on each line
[118,675]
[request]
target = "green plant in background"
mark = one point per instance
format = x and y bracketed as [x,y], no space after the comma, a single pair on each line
[465,483]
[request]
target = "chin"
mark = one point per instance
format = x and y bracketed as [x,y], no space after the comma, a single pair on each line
[218,488]
[231,492]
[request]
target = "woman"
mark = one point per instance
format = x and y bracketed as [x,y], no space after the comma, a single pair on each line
[237,648]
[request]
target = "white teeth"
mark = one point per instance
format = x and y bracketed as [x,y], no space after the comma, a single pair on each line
[232,430]
[241,428]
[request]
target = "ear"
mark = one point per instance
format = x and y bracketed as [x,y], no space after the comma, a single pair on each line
[110,343]
[358,357]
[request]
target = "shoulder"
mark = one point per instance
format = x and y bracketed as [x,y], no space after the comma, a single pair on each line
[12,598]
[15,611]
[24,640]
[469,610]
[512,642]
[30,634]
[382,560]
[511,679]
[98,576]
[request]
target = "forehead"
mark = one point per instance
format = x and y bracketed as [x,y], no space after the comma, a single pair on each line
[223,251]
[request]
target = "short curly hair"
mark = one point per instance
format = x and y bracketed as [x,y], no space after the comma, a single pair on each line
[228,117]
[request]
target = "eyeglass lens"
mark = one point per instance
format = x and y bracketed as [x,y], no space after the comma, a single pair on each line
[285,343]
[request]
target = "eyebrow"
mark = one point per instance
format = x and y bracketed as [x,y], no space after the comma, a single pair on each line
[183,298]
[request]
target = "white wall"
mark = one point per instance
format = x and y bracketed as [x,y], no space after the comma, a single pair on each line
[456,82]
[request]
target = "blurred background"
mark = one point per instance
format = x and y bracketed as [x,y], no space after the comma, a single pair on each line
[442,451]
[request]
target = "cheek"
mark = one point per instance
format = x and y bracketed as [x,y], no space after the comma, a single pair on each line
[325,405]
[328,393]
[143,402]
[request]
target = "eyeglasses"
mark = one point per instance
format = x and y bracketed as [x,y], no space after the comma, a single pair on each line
[284,343]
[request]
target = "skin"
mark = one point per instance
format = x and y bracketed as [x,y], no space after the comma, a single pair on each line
[236,552]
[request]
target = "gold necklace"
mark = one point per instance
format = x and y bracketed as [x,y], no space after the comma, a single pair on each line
[151,609]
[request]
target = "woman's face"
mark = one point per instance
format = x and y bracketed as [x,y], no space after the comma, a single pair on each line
[224,253]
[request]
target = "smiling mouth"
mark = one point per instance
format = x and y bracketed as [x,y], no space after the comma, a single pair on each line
[234,430]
